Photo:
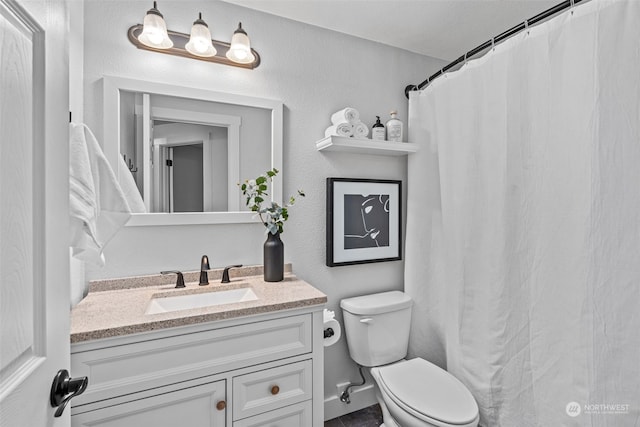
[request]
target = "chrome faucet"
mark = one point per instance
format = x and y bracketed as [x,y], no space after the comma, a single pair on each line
[204,266]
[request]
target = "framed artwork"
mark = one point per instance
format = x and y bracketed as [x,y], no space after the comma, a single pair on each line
[363,221]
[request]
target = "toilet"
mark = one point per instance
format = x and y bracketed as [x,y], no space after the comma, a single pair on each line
[411,393]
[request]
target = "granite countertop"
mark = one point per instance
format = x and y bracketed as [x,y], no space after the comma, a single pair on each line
[117,307]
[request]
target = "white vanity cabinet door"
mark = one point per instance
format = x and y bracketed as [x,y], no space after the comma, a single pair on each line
[273,388]
[298,415]
[193,407]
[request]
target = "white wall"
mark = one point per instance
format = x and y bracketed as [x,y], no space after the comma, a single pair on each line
[314,72]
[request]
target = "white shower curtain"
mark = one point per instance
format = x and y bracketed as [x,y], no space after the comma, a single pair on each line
[523,228]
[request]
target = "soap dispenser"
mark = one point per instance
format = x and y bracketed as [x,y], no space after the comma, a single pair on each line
[378,131]
[394,128]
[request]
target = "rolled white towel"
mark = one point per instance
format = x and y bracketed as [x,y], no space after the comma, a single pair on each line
[360,130]
[349,115]
[341,129]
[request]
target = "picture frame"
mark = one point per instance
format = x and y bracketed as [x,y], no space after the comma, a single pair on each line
[364,221]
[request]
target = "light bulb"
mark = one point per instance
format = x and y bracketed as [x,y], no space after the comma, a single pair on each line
[155,36]
[240,54]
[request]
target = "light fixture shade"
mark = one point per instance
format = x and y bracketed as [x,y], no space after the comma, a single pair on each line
[240,50]
[200,41]
[154,32]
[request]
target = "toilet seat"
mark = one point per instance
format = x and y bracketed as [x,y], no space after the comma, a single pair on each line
[427,393]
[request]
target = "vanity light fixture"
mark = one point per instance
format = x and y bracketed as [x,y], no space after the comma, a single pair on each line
[154,36]
[200,40]
[154,32]
[240,50]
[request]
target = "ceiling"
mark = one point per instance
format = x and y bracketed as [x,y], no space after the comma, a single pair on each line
[443,29]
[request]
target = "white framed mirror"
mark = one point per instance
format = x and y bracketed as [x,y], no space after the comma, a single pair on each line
[187,148]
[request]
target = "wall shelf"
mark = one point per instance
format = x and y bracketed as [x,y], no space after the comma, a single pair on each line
[365,146]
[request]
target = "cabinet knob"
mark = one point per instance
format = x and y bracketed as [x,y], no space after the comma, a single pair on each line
[275,390]
[221,405]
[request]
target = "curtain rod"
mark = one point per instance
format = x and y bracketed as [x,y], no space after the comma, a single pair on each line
[505,35]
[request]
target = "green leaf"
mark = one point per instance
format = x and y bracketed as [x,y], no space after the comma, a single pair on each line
[261,180]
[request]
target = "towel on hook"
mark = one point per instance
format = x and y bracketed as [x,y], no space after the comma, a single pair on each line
[129,188]
[97,205]
[341,129]
[349,115]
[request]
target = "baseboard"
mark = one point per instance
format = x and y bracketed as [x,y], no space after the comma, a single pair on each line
[361,397]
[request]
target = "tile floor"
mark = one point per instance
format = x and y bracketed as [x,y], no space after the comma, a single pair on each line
[367,417]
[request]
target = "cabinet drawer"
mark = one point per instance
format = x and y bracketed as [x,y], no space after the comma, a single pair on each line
[298,415]
[270,389]
[125,369]
[196,406]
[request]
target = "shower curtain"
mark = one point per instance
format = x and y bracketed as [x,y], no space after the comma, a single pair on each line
[523,222]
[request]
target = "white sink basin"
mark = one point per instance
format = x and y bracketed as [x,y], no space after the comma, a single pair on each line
[187,302]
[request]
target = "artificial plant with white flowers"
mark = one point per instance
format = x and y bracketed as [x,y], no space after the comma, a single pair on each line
[271,213]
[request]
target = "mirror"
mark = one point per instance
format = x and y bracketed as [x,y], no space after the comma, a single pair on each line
[187,148]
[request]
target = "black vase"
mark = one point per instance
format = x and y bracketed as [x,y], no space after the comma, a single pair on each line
[273,258]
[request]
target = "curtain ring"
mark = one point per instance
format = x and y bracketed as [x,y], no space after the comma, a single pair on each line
[493,43]
[572,4]
[465,58]
[526,26]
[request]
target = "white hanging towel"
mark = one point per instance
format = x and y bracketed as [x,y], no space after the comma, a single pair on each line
[341,129]
[129,188]
[97,205]
[349,115]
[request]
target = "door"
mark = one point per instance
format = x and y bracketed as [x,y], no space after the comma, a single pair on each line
[34,252]
[186,186]
[178,169]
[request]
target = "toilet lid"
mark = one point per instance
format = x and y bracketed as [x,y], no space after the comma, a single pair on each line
[424,388]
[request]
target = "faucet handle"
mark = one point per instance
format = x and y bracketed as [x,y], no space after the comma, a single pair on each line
[179,280]
[225,273]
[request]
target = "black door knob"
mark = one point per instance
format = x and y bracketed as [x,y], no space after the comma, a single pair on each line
[64,389]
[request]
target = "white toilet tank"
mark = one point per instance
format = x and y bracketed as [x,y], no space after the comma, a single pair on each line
[377,327]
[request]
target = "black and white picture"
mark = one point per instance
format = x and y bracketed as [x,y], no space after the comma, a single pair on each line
[366,221]
[363,221]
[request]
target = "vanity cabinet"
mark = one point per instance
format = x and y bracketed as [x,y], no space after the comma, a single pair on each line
[259,370]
